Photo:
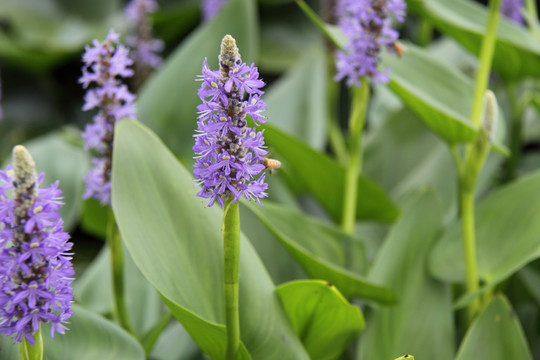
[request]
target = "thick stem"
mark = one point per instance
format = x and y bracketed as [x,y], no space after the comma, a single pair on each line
[29,352]
[354,166]
[117,266]
[469,246]
[231,254]
[486,56]
[425,34]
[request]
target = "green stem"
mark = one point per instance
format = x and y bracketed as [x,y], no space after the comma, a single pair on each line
[317,22]
[469,245]
[530,7]
[117,265]
[231,254]
[149,339]
[29,352]
[354,167]
[486,57]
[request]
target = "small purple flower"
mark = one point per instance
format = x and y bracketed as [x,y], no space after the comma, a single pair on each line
[512,10]
[35,259]
[210,8]
[105,65]
[146,49]
[230,155]
[368,27]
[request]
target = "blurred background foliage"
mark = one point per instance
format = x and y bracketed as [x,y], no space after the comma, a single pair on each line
[407,193]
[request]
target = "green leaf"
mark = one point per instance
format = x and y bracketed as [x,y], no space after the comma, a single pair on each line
[495,335]
[322,250]
[324,178]
[89,337]
[321,317]
[176,242]
[64,162]
[175,344]
[401,265]
[93,290]
[438,93]
[506,237]
[168,101]
[516,50]
[297,101]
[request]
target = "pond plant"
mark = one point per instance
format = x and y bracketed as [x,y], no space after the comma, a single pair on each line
[373,198]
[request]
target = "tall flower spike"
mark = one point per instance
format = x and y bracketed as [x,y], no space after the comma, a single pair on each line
[230,155]
[146,49]
[368,27]
[210,8]
[511,9]
[35,263]
[105,64]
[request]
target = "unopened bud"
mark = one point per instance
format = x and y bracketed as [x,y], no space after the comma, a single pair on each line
[491,112]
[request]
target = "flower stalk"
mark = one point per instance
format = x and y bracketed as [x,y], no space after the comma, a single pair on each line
[473,162]
[231,253]
[114,242]
[27,351]
[354,166]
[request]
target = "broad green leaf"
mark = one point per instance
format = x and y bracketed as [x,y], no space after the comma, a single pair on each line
[401,265]
[297,101]
[324,178]
[279,263]
[506,234]
[89,337]
[168,102]
[322,250]
[495,335]
[93,290]
[517,50]
[176,242]
[321,317]
[438,93]
[62,162]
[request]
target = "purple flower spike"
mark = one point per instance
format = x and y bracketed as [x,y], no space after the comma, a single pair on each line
[210,8]
[146,49]
[35,259]
[368,26]
[230,155]
[512,10]
[105,65]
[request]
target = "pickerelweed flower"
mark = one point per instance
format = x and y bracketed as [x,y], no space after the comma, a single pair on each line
[146,49]
[230,155]
[35,262]
[105,64]
[368,27]
[511,9]
[210,8]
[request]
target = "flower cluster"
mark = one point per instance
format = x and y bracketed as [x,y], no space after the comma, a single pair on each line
[230,154]
[104,65]
[512,10]
[35,263]
[368,27]
[210,8]
[145,48]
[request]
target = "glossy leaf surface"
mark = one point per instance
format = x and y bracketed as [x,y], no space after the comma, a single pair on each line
[321,317]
